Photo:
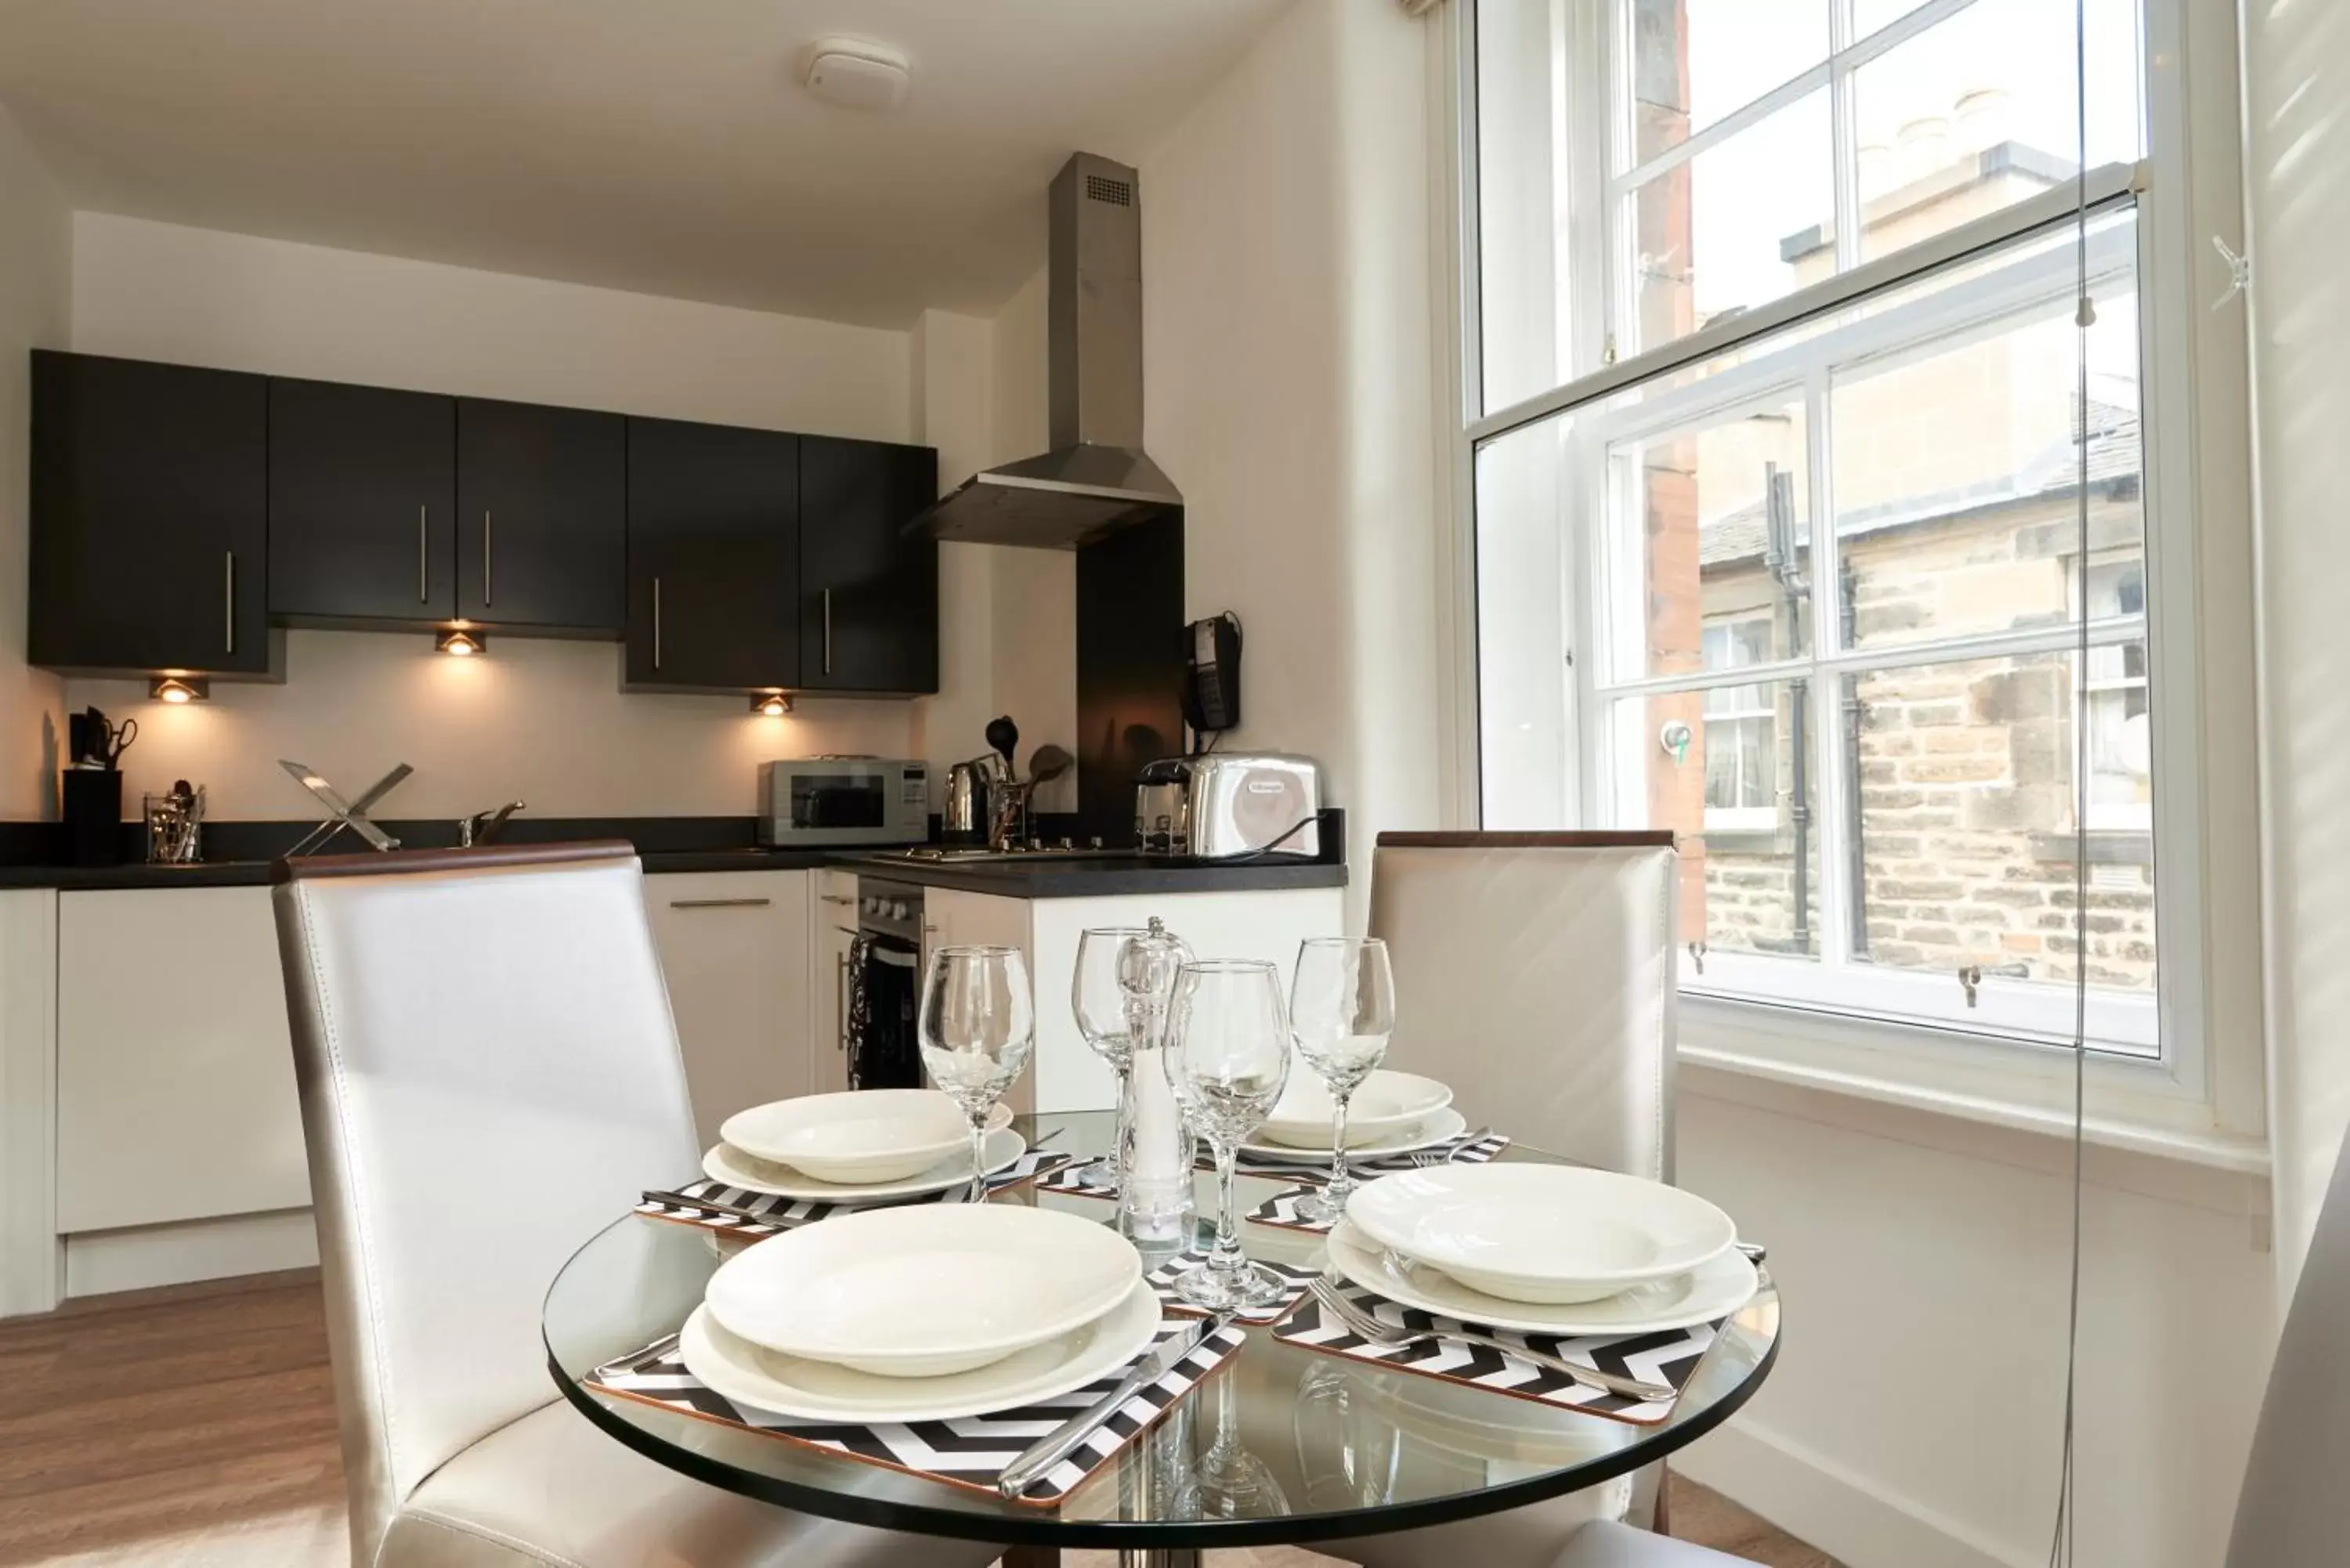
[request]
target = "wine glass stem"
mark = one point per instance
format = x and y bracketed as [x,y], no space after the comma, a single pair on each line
[1117,1162]
[978,1156]
[1227,1258]
[1341,1180]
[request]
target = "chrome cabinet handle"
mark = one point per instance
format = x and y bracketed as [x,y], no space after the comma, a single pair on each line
[835,897]
[423,593]
[828,631]
[228,593]
[656,623]
[719,903]
[485,557]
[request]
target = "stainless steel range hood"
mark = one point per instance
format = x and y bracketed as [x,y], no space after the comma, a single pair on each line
[1097,479]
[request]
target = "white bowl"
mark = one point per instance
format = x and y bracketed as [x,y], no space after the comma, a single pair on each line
[926,1290]
[870,1135]
[1384,1105]
[1546,1233]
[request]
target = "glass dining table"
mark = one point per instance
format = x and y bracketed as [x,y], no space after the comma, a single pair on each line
[1282,1444]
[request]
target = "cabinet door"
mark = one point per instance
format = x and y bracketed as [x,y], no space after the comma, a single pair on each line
[713,556]
[953,919]
[835,927]
[734,949]
[149,516]
[868,593]
[362,504]
[175,1068]
[542,516]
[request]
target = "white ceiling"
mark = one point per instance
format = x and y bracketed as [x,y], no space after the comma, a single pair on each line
[665,146]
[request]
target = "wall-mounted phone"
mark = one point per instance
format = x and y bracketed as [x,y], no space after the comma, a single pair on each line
[1212,673]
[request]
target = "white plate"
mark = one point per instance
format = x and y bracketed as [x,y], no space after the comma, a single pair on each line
[1714,1289]
[1442,1127]
[1546,1233]
[869,1135]
[1384,1105]
[732,1168]
[819,1391]
[924,1291]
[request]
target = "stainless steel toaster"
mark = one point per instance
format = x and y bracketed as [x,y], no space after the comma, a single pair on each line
[1244,803]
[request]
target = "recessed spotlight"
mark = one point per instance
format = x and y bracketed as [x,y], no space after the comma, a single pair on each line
[461,642]
[771,704]
[180,689]
[855,74]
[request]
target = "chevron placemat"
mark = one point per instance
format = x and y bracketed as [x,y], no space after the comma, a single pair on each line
[1281,1211]
[1067,1181]
[789,1213]
[1671,1358]
[970,1453]
[1316,1172]
[1162,1281]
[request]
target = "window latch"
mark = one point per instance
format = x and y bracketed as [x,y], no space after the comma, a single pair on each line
[1697,956]
[1971,976]
[2240,272]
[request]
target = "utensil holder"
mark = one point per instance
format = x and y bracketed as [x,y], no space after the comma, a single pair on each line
[90,801]
[175,828]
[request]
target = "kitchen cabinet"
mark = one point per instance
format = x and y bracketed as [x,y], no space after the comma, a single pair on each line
[362,504]
[174,1064]
[542,517]
[834,914]
[869,592]
[952,919]
[150,508]
[735,951]
[713,557]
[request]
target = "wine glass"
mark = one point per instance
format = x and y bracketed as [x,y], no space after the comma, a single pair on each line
[1110,1022]
[1341,1011]
[1227,1058]
[978,1028]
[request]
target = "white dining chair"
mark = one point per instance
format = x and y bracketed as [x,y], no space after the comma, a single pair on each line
[1534,973]
[470,1024]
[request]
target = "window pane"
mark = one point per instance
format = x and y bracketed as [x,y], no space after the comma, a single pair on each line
[1978,112]
[1734,227]
[1867,15]
[1957,472]
[1711,530]
[1523,270]
[1966,804]
[1722,769]
[1694,61]
[1527,758]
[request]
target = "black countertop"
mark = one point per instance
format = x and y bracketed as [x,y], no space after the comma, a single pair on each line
[667,845]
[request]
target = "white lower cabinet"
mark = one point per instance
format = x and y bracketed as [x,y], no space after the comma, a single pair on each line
[175,1068]
[735,950]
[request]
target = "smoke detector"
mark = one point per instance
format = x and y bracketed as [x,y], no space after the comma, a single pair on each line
[855,74]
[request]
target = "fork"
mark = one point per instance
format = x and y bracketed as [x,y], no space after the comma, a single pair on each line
[1387,1337]
[1426,1158]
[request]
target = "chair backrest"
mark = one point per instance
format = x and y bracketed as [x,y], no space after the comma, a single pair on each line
[489,1073]
[1534,974]
[2293,1511]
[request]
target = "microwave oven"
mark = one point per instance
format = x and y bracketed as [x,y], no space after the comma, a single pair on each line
[814,800]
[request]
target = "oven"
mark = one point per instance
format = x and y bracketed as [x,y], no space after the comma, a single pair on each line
[885,986]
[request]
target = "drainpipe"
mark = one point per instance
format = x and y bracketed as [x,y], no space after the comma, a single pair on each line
[1856,860]
[1779,558]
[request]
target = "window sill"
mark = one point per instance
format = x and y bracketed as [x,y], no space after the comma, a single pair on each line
[1758,1057]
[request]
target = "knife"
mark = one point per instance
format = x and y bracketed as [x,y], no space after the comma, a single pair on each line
[1063,1440]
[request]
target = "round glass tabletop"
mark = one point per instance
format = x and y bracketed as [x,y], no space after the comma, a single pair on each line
[1280,1445]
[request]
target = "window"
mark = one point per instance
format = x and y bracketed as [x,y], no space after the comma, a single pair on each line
[1779,453]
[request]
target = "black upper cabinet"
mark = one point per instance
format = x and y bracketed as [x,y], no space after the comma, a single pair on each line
[362,504]
[542,517]
[713,556]
[868,593]
[150,517]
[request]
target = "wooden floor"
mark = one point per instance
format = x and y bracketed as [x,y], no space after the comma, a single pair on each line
[195,1427]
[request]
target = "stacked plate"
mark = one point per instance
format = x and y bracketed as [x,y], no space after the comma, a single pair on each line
[927,1313]
[1390,1113]
[1543,1249]
[858,1147]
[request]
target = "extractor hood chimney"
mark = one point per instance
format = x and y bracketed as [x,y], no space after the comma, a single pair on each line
[1097,479]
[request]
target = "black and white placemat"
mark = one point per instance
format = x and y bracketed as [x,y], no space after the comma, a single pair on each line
[1281,1211]
[971,1452]
[1671,1358]
[789,1213]
[1316,1171]
[1162,1280]
[1069,1181]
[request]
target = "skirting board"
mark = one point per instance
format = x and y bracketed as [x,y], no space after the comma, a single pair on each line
[99,1263]
[1817,1501]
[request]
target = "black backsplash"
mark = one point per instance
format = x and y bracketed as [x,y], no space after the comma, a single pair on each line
[1130,668]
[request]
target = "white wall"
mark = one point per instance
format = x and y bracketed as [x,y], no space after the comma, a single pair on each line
[2297,173]
[1287,347]
[542,720]
[36,302]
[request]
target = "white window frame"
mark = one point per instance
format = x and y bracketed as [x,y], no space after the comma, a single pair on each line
[2193,381]
[1759,819]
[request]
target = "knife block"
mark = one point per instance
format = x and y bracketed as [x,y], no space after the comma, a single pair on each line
[90,801]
